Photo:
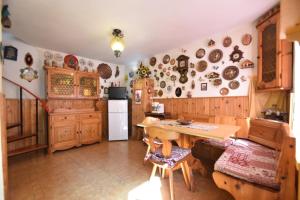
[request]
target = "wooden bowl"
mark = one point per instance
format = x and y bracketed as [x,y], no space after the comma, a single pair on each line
[184,121]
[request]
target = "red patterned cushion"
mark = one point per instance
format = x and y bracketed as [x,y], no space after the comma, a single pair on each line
[251,162]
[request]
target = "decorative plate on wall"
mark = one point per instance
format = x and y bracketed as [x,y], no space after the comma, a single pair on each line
[28,59]
[160,66]
[90,64]
[178,92]
[71,61]
[82,62]
[215,55]
[217,81]
[161,74]
[224,91]
[201,66]
[246,39]
[58,57]
[236,55]
[230,72]
[227,41]
[166,59]
[104,70]
[200,53]
[234,84]
[152,61]
[172,61]
[160,93]
[193,73]
[48,55]
[162,84]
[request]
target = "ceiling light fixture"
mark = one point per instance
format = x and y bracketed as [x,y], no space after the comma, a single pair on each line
[117,42]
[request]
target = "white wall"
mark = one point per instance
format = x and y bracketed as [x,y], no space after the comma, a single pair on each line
[250,52]
[11,69]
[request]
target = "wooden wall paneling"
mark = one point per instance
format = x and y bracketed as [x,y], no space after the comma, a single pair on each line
[202,106]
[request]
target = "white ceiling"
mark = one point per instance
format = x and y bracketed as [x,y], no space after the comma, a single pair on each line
[83,27]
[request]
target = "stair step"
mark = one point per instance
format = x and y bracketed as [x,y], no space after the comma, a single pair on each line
[26,149]
[18,137]
[13,125]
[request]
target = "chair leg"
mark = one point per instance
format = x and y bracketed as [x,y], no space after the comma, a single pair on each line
[163,173]
[153,171]
[147,152]
[186,180]
[171,184]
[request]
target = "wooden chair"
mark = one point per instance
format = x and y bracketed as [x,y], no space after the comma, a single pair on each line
[277,136]
[148,121]
[168,157]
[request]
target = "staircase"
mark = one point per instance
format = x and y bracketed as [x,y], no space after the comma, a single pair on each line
[26,132]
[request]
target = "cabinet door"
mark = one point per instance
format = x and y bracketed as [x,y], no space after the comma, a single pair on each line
[269,54]
[61,84]
[88,85]
[89,131]
[64,135]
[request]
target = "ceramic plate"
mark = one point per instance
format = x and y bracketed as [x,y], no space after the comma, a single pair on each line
[200,53]
[48,55]
[193,73]
[224,91]
[201,66]
[215,55]
[82,62]
[217,82]
[166,59]
[246,39]
[104,70]
[227,41]
[178,92]
[152,61]
[172,61]
[230,73]
[162,84]
[58,57]
[71,61]
[234,84]
[90,63]
[160,93]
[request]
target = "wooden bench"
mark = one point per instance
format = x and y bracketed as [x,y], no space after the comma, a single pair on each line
[276,136]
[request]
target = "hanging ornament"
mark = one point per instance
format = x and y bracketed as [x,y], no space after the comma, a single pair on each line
[117,72]
[193,84]
[28,74]
[236,55]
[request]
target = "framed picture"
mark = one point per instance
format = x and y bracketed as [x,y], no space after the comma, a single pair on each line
[138,96]
[10,53]
[203,86]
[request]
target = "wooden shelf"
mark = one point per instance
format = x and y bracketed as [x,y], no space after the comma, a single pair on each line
[16,138]
[27,149]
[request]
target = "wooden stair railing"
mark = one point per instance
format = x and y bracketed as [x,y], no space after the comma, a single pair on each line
[21,135]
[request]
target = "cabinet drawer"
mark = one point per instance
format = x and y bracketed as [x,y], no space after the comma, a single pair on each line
[63,117]
[90,116]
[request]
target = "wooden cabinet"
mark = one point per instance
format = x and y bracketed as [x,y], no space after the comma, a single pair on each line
[74,129]
[275,56]
[69,83]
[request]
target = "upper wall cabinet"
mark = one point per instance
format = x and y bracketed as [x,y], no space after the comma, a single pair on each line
[275,56]
[68,84]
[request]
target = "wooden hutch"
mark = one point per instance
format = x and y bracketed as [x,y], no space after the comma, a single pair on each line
[275,56]
[73,119]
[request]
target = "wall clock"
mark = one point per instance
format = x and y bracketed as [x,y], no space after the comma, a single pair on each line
[236,55]
[183,68]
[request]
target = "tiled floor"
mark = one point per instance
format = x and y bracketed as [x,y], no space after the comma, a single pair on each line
[105,171]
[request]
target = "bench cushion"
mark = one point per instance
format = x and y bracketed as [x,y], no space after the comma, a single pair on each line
[251,162]
[177,155]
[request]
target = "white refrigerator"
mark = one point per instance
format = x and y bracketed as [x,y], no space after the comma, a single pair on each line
[117,120]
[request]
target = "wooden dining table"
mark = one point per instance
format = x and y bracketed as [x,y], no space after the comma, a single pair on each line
[195,131]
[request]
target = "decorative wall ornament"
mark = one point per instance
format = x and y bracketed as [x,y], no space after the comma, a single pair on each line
[166,59]
[161,74]
[90,64]
[162,84]
[200,53]
[131,74]
[212,75]
[215,55]
[193,85]
[172,61]
[28,74]
[5,20]
[246,39]
[227,41]
[160,66]
[224,91]
[215,67]
[211,43]
[183,68]
[201,66]
[189,94]
[178,92]
[193,73]
[243,78]
[216,82]
[138,96]
[236,55]
[58,57]
[71,61]
[201,79]
[143,71]
[48,55]
[104,71]
[152,61]
[160,93]
[28,59]
[203,86]
[230,72]
[10,53]
[169,88]
[173,78]
[192,65]
[117,72]
[234,84]
[247,64]
[82,62]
